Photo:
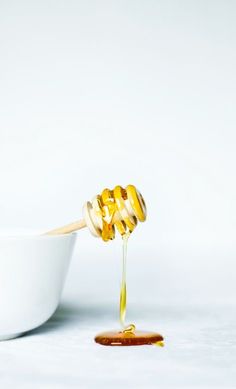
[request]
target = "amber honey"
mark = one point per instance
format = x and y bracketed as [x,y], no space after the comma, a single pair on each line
[127,335]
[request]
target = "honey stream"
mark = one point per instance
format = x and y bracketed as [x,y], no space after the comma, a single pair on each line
[107,206]
[127,336]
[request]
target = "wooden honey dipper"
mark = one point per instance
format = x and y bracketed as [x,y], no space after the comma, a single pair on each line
[120,208]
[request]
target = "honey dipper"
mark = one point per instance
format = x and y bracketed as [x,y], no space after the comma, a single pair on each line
[120,208]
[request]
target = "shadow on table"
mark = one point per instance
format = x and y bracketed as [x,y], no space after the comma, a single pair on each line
[68,315]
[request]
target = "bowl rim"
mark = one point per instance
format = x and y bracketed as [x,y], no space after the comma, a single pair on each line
[38,237]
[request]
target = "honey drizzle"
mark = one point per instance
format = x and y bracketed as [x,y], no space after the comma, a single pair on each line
[123,293]
[127,336]
[160,343]
[129,329]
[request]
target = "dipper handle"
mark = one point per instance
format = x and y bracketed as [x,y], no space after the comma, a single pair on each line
[119,208]
[78,225]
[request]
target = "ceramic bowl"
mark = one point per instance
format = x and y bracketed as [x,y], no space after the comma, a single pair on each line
[32,274]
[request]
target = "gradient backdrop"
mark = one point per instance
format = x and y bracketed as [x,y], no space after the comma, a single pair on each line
[99,93]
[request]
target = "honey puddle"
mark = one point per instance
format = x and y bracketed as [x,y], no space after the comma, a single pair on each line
[128,335]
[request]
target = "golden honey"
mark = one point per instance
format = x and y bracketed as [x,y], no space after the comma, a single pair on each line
[117,209]
[123,296]
[109,204]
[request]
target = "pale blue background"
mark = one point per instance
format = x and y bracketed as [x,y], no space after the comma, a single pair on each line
[99,93]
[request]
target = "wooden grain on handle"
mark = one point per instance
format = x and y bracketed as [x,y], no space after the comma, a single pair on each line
[68,228]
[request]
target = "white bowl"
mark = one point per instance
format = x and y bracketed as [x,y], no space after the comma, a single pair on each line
[32,275]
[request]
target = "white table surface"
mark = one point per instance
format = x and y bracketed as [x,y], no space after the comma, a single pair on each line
[200,343]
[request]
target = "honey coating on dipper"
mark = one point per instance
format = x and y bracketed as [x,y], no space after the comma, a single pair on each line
[119,209]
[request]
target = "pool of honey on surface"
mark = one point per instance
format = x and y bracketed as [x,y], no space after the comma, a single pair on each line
[128,335]
[121,338]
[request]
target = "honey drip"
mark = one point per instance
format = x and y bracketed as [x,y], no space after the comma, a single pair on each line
[128,335]
[121,209]
[123,291]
